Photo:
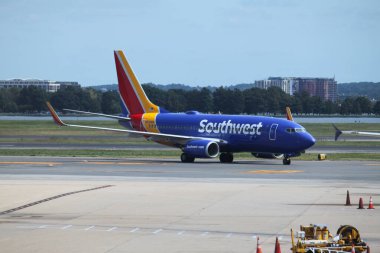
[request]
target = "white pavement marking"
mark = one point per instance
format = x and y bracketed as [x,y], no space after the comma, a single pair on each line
[66,227]
[134,230]
[25,226]
[254,236]
[205,233]
[157,231]
[229,235]
[111,229]
[43,226]
[86,229]
[181,232]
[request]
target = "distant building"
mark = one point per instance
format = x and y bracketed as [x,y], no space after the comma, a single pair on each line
[325,88]
[47,85]
[284,83]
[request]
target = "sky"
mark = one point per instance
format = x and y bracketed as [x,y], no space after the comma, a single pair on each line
[192,42]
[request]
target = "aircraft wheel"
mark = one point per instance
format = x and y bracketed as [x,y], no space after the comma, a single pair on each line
[226,157]
[185,158]
[286,161]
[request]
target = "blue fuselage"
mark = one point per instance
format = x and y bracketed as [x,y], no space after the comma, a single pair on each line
[241,133]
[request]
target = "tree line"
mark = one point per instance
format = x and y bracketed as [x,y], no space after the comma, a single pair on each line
[250,101]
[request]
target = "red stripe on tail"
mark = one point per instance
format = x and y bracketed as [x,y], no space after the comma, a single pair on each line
[126,90]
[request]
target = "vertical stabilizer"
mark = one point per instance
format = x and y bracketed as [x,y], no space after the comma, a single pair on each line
[131,92]
[289,115]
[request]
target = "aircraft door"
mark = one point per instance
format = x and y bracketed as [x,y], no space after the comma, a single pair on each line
[272,132]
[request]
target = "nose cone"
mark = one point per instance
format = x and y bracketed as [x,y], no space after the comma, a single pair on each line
[308,140]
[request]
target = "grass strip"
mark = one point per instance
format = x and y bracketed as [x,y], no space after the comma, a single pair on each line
[170,154]
[47,127]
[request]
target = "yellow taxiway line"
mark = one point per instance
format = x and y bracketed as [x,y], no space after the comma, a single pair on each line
[373,164]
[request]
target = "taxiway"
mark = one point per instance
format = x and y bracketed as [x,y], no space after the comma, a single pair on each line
[161,205]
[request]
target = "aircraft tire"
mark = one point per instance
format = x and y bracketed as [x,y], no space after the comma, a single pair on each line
[226,157]
[286,161]
[185,158]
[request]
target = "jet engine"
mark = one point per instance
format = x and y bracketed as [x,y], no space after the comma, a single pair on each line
[268,155]
[202,149]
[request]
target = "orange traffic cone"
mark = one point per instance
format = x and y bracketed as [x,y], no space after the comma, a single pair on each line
[277,248]
[361,204]
[258,249]
[348,201]
[370,206]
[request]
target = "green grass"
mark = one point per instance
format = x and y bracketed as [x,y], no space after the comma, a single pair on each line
[168,154]
[78,140]
[48,128]
[326,129]
[341,157]
[348,143]
[29,132]
[48,132]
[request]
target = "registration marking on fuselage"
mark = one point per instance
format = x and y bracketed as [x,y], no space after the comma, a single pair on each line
[264,172]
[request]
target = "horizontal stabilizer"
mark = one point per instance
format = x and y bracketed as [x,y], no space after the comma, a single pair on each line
[99,114]
[337,132]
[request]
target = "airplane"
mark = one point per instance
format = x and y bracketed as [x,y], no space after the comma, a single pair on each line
[338,132]
[200,135]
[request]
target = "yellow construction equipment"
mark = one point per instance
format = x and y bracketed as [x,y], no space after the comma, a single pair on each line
[318,239]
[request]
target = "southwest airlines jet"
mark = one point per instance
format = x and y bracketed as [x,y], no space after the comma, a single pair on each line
[201,135]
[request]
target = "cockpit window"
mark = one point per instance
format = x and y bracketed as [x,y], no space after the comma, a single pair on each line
[300,130]
[296,130]
[290,130]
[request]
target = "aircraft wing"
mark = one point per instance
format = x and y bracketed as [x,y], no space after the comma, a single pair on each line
[165,138]
[99,114]
[338,132]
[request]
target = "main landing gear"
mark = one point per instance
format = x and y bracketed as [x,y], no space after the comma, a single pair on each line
[186,158]
[286,161]
[226,157]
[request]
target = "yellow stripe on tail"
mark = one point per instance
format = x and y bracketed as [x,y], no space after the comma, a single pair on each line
[289,114]
[146,104]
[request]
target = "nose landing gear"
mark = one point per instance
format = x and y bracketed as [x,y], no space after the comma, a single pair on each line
[286,161]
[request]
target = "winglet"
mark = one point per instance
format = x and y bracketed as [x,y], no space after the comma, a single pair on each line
[56,119]
[338,132]
[289,114]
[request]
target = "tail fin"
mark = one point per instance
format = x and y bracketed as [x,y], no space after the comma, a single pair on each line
[131,92]
[289,115]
